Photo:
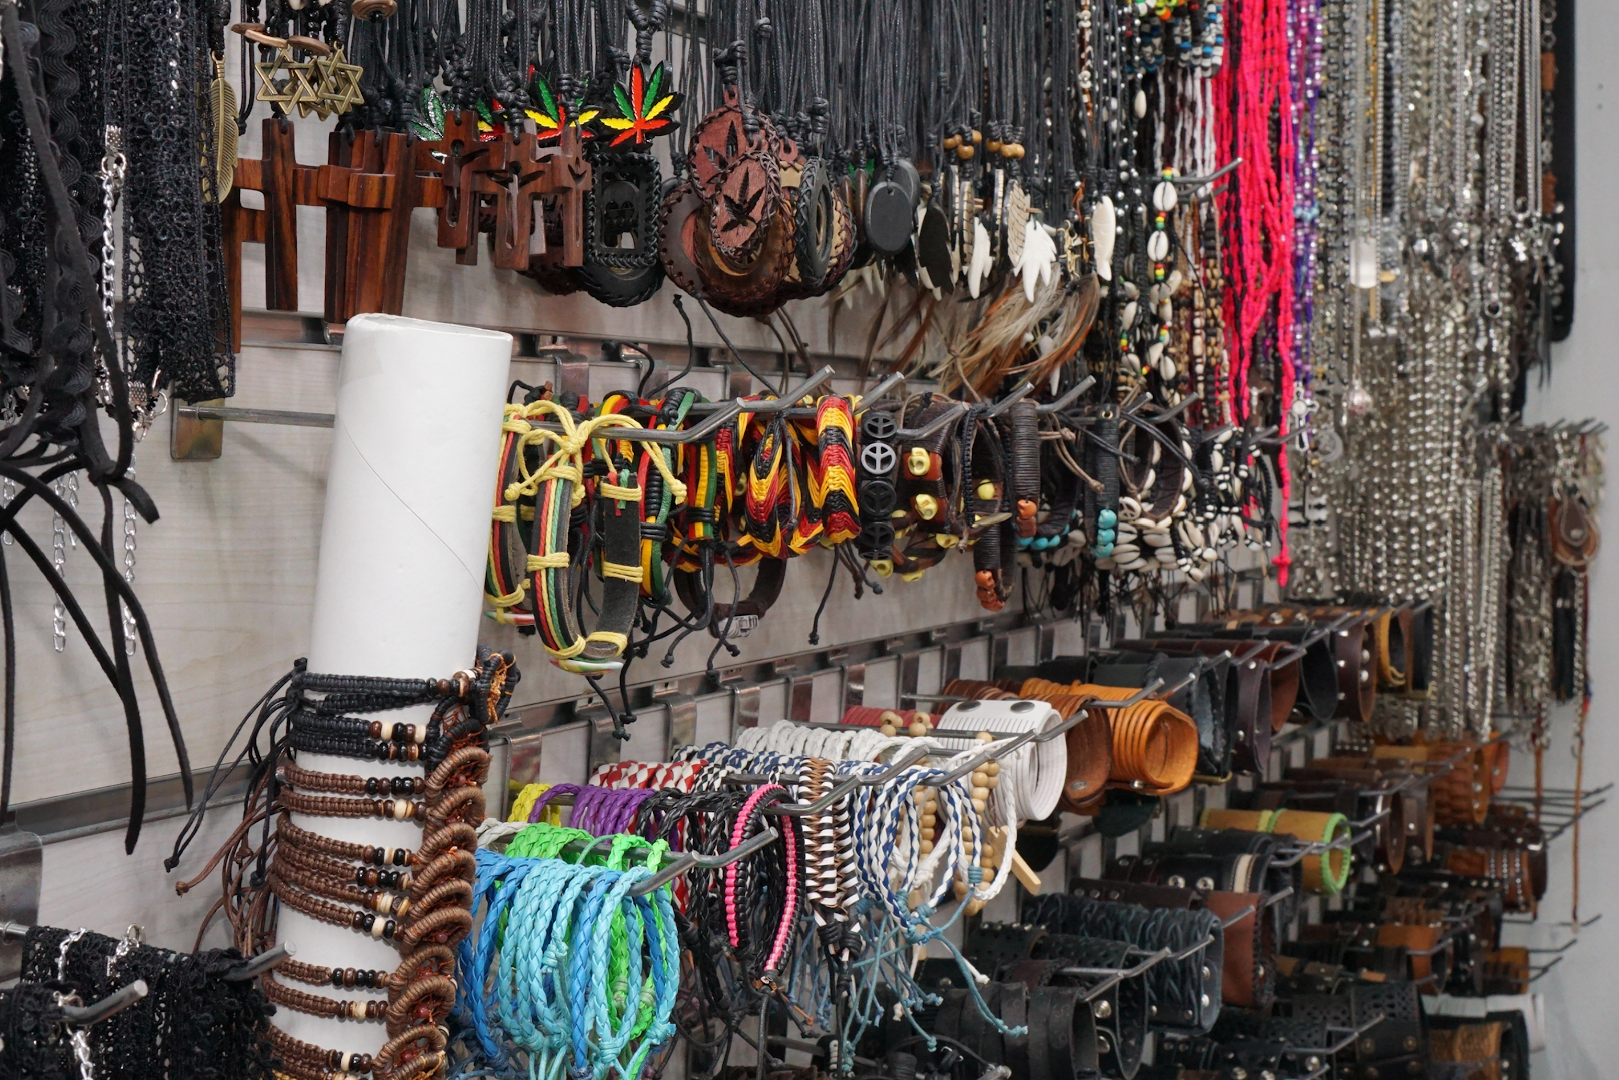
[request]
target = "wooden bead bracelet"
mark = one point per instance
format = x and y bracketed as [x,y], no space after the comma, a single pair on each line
[380,901]
[337,978]
[359,1009]
[340,784]
[362,874]
[331,913]
[314,1062]
[287,832]
[334,806]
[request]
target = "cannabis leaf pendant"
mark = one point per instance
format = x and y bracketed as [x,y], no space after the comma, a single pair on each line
[643,108]
[552,116]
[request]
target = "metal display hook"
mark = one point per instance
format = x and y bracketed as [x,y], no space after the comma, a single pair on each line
[878,392]
[115,1002]
[999,749]
[1069,396]
[1343,1044]
[1011,399]
[268,960]
[1277,897]
[1111,977]
[936,425]
[911,756]
[1175,410]
[251,968]
[1226,924]
[1321,633]
[688,860]
[1203,665]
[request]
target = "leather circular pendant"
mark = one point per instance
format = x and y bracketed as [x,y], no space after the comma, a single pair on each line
[745,288]
[744,204]
[844,240]
[933,249]
[888,218]
[680,209]
[718,140]
[817,224]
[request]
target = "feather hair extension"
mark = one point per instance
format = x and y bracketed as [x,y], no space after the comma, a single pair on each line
[1081,300]
[995,345]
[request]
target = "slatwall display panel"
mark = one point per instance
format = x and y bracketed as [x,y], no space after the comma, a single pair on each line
[226,576]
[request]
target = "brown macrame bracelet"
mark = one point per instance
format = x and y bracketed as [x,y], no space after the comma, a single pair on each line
[313,1058]
[436,841]
[365,876]
[358,1009]
[427,1000]
[457,864]
[337,978]
[445,926]
[340,784]
[333,806]
[426,961]
[286,831]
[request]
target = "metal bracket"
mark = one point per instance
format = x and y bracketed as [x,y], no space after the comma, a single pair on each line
[21,860]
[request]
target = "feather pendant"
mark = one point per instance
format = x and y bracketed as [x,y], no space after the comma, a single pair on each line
[222,132]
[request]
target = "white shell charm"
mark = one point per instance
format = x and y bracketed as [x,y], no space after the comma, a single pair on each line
[1158,245]
[982,261]
[1164,196]
[1104,231]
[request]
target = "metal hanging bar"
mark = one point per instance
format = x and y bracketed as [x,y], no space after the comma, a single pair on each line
[1226,924]
[936,425]
[905,761]
[1017,395]
[1277,897]
[1111,977]
[255,416]
[1175,410]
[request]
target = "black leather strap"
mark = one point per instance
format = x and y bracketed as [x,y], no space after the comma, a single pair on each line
[1015,1014]
[1070,1035]
[993,947]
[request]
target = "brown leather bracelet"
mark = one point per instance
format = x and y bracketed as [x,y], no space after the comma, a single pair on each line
[1154,744]
[1089,744]
[1250,949]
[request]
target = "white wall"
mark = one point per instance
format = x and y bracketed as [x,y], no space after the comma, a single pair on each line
[1582,993]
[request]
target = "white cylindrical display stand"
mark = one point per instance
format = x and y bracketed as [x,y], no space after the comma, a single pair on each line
[399,588]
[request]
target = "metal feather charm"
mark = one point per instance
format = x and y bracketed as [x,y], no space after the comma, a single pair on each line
[222,127]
